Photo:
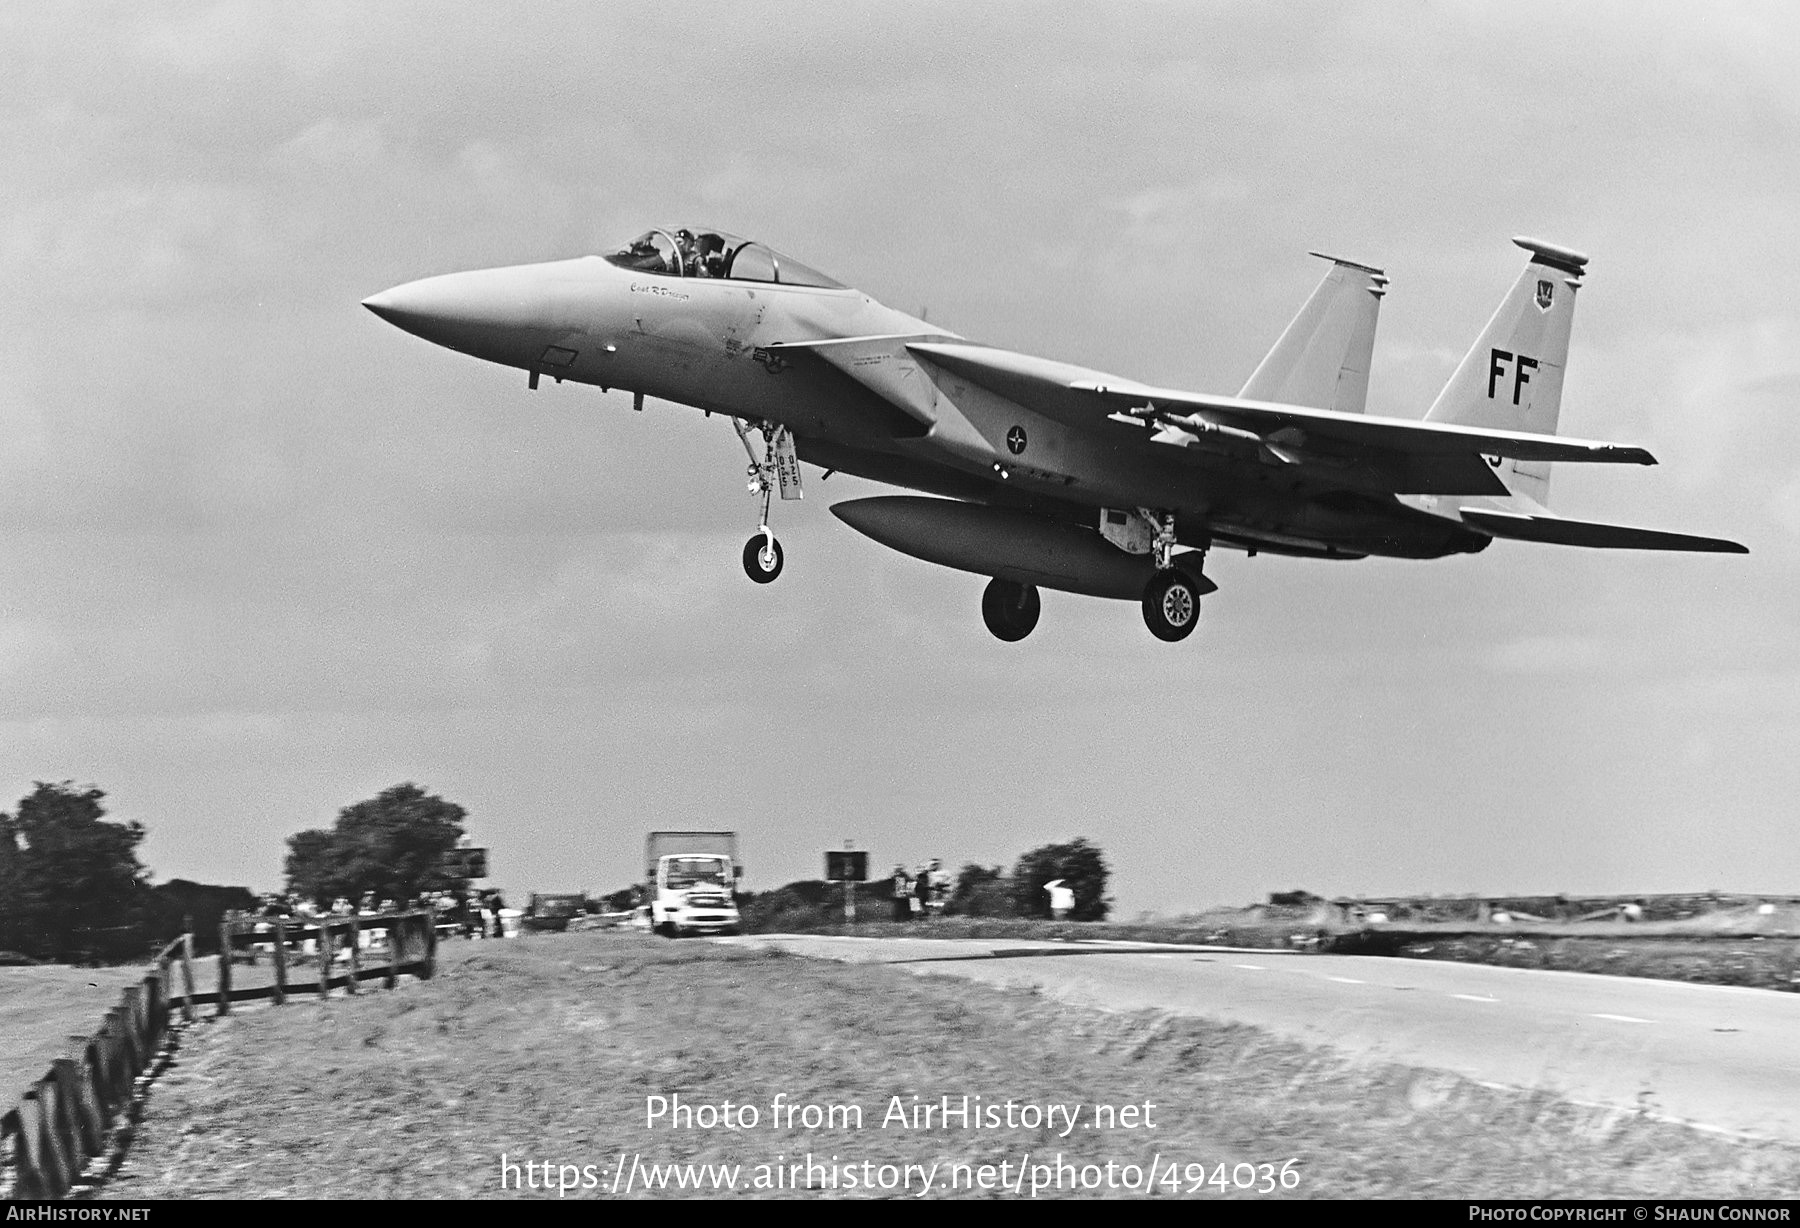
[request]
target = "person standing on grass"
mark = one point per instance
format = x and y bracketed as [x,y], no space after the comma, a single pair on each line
[901,892]
[940,886]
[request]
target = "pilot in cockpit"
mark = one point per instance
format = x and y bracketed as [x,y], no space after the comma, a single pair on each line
[684,253]
[709,256]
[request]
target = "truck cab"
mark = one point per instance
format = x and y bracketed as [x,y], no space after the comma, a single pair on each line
[691,883]
[695,893]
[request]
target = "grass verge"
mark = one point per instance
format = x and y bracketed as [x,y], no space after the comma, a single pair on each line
[42,1008]
[547,1050]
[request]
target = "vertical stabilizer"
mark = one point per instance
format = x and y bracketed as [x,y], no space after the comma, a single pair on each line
[1322,360]
[1512,379]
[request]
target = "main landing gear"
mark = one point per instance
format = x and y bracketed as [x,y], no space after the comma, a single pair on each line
[1172,597]
[778,467]
[1010,610]
[1171,605]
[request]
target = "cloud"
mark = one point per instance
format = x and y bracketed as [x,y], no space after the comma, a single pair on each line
[333,146]
[239,507]
[1737,390]
[224,37]
[1558,655]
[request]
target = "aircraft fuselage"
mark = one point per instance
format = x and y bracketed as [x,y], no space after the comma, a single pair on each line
[737,347]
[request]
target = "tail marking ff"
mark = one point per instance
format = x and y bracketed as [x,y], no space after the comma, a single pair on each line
[1512,379]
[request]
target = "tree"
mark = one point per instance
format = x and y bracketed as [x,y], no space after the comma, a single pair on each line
[981,891]
[181,904]
[312,871]
[11,919]
[395,845]
[1080,866]
[75,887]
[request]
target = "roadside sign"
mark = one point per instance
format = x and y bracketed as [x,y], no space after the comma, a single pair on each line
[846,866]
[466,863]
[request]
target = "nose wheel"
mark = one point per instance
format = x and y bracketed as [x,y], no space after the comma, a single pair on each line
[762,557]
[777,469]
[1010,610]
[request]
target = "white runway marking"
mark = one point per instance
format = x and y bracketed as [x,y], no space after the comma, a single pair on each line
[1622,1018]
[1251,967]
[1346,980]
[1473,997]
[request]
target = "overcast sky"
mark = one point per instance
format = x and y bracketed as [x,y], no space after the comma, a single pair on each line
[264,555]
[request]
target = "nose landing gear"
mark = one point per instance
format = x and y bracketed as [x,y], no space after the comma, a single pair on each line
[762,557]
[778,467]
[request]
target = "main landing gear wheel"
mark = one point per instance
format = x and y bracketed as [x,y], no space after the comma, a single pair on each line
[1171,605]
[1010,610]
[762,558]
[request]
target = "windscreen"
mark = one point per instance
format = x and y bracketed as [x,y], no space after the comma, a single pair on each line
[685,252]
[682,872]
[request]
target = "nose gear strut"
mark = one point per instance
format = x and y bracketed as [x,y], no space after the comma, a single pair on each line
[777,468]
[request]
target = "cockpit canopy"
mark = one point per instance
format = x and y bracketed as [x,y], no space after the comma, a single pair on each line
[713,253]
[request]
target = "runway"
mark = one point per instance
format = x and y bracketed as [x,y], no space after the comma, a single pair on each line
[1717,1057]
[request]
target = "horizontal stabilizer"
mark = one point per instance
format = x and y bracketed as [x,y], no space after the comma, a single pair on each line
[1560,532]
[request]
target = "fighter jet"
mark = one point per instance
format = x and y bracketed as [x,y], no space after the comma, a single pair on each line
[1041,474]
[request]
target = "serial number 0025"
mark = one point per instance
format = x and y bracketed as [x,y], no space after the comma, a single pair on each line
[1262,1178]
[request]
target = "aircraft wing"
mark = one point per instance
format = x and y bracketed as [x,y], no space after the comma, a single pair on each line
[1413,457]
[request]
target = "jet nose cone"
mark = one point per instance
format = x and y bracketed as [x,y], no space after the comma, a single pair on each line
[438,307]
[386,305]
[488,312]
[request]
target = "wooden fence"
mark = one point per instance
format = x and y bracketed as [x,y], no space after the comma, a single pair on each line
[75,1112]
